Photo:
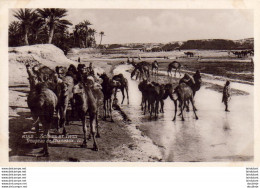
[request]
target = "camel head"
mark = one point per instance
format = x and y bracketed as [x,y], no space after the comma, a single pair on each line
[72,69]
[104,76]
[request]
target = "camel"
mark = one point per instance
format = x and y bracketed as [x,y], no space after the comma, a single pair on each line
[191,54]
[153,90]
[238,54]
[153,94]
[181,93]
[87,101]
[72,71]
[194,82]
[108,89]
[141,70]
[61,71]
[142,87]
[174,65]
[155,67]
[45,74]
[42,103]
[65,96]
[123,86]
[32,76]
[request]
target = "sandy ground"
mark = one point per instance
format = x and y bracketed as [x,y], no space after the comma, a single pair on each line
[216,136]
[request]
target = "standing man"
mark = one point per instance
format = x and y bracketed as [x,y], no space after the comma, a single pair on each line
[226,95]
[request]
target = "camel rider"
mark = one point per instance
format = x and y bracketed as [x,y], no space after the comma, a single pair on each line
[133,60]
[186,79]
[226,95]
[90,69]
[128,60]
[197,75]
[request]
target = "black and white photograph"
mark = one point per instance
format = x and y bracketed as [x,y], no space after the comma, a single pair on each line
[131,85]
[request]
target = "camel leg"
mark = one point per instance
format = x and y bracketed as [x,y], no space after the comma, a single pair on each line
[107,107]
[46,135]
[110,109]
[192,102]
[176,108]
[156,108]
[104,107]
[123,94]
[63,118]
[64,113]
[36,123]
[149,106]
[72,108]
[187,106]
[175,73]
[97,125]
[180,72]
[145,106]
[162,106]
[126,89]
[182,106]
[84,126]
[93,130]
[142,101]
[137,75]
[58,116]
[151,110]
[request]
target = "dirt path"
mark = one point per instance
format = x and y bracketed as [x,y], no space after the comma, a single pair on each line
[216,136]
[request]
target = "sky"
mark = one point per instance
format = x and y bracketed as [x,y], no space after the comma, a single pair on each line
[163,26]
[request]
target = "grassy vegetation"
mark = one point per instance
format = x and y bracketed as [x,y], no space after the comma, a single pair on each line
[234,70]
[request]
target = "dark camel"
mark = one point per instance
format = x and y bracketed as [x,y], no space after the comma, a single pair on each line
[153,94]
[155,67]
[141,70]
[191,54]
[108,89]
[174,65]
[123,86]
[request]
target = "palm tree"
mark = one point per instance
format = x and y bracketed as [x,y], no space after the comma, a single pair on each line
[52,18]
[101,35]
[26,17]
[85,27]
[81,33]
[91,38]
[15,34]
[37,30]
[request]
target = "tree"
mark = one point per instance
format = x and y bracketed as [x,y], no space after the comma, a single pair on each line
[15,34]
[52,19]
[101,35]
[91,38]
[82,33]
[26,18]
[37,31]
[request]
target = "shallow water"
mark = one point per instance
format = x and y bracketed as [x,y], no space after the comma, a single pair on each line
[216,136]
